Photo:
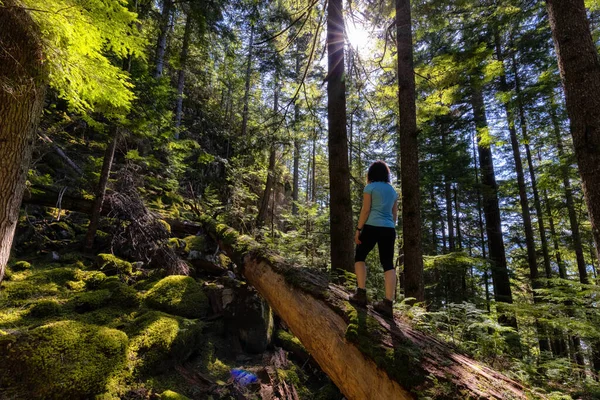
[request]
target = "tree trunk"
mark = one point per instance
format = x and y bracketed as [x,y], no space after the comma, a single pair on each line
[457,208]
[564,168]
[491,210]
[342,339]
[580,72]
[247,86]
[161,46]
[562,270]
[433,220]
[409,155]
[22,92]
[109,155]
[534,188]
[481,230]
[341,225]
[264,204]
[181,75]
[296,172]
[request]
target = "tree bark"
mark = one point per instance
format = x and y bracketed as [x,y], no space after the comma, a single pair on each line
[409,155]
[23,78]
[161,46]
[247,86]
[481,229]
[491,210]
[580,72]
[457,208]
[296,171]
[109,155]
[341,226]
[181,75]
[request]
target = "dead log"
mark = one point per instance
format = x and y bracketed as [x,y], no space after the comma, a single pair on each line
[49,197]
[365,355]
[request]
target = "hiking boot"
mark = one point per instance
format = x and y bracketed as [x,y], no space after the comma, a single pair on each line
[384,307]
[359,298]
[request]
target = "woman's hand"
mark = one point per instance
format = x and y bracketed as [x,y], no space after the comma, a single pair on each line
[357,237]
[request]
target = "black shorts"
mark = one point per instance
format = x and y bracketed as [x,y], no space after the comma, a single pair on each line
[384,238]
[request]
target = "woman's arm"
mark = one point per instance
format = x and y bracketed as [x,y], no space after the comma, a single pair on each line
[395,212]
[364,215]
[364,211]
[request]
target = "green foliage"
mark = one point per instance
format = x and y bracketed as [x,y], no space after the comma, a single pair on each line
[89,355]
[79,37]
[178,295]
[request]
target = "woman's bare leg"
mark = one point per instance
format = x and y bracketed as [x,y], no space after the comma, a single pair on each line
[390,283]
[360,269]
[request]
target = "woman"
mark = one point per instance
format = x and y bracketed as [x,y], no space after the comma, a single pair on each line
[377,225]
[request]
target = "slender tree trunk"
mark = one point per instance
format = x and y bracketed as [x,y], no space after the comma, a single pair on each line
[409,155]
[22,93]
[247,87]
[181,75]
[580,72]
[264,204]
[564,168]
[457,208]
[341,225]
[296,177]
[534,188]
[481,229]
[433,220]
[491,209]
[161,47]
[109,155]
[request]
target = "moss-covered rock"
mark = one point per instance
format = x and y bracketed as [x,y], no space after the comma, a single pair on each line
[45,308]
[25,289]
[171,395]
[21,266]
[60,275]
[158,340]
[61,360]
[178,295]
[112,265]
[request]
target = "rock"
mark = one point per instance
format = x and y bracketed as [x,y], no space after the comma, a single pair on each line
[250,317]
[112,265]
[55,256]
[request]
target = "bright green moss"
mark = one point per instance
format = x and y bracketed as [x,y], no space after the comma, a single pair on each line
[158,340]
[21,266]
[178,295]
[61,360]
[23,290]
[171,395]
[112,265]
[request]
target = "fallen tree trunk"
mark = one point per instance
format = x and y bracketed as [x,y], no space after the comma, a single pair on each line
[365,355]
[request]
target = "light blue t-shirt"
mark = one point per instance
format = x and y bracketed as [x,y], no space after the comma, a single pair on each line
[383,197]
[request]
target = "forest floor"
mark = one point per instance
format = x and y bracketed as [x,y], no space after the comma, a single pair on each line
[79,326]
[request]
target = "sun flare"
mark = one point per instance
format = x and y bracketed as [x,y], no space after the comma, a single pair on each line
[358,36]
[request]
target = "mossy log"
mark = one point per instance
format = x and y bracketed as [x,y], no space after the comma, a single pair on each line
[365,355]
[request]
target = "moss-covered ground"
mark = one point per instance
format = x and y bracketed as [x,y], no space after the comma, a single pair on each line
[82,327]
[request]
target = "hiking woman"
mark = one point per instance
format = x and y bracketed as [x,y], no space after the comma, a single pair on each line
[377,225]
